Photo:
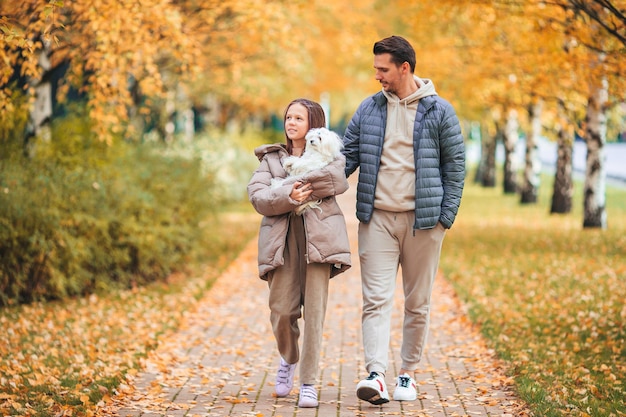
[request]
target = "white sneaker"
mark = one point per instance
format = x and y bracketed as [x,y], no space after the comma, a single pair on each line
[373,389]
[284,378]
[406,389]
[308,397]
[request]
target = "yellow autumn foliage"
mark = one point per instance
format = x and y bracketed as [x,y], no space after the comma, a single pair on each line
[258,55]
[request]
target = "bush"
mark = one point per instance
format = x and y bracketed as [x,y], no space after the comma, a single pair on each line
[82,217]
[64,233]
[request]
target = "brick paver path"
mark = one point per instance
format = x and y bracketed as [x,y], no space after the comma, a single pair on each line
[223,359]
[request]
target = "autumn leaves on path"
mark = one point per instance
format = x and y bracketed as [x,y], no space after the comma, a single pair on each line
[223,359]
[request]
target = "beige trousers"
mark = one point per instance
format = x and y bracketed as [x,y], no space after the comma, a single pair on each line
[299,289]
[387,242]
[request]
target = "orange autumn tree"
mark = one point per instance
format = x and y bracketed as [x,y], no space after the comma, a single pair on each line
[339,36]
[106,45]
[591,35]
[128,61]
[240,48]
[282,51]
[468,51]
[596,31]
[111,48]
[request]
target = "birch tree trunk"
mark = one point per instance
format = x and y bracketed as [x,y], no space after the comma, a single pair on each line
[509,139]
[40,113]
[482,163]
[480,169]
[489,168]
[563,178]
[532,164]
[595,174]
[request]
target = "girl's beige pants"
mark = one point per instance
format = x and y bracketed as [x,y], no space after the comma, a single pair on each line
[298,289]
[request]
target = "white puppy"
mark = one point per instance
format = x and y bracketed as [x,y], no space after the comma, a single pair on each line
[322,147]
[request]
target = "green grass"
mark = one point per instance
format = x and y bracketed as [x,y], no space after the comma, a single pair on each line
[548,294]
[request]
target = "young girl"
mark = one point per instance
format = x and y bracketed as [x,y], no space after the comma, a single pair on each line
[298,254]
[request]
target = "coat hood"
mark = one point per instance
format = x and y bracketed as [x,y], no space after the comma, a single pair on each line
[425,87]
[263,150]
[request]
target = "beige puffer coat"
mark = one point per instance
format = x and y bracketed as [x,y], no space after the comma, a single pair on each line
[326,234]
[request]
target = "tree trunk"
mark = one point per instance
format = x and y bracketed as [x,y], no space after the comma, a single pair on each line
[595,174]
[169,128]
[482,163]
[137,123]
[532,164]
[489,169]
[40,114]
[509,140]
[480,169]
[563,178]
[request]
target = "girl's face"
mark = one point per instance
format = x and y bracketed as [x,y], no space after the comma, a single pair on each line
[297,122]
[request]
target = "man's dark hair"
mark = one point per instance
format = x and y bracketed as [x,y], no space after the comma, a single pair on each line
[399,48]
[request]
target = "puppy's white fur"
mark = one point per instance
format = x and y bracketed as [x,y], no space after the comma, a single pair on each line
[322,147]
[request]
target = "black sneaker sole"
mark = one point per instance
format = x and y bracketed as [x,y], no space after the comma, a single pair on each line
[371,395]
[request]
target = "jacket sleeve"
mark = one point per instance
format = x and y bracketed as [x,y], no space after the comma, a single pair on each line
[328,181]
[452,148]
[351,139]
[266,199]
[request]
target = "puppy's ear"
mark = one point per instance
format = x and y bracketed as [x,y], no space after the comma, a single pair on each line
[337,143]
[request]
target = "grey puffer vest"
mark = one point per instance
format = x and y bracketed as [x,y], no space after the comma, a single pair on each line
[438,150]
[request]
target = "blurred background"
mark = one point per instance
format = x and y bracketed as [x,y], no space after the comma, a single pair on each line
[126,123]
[127,130]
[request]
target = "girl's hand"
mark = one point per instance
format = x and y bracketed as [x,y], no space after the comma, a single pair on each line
[301,191]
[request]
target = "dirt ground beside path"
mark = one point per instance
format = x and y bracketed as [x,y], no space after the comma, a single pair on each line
[223,359]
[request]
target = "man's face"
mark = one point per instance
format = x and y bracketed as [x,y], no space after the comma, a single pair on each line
[389,74]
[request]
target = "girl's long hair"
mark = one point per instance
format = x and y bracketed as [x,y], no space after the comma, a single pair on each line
[317,118]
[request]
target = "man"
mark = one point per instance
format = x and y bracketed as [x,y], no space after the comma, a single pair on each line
[407,142]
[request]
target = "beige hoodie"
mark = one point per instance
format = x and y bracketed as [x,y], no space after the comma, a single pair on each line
[395,188]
